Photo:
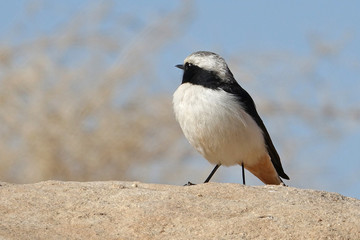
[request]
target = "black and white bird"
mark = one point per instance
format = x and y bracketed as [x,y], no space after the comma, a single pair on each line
[219,119]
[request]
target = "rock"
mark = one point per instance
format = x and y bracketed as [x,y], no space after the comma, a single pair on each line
[133,210]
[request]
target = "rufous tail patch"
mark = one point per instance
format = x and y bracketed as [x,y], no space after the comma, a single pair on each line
[265,171]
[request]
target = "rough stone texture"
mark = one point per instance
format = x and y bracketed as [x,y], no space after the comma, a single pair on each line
[125,210]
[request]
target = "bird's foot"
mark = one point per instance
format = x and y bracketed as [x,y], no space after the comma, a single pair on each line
[189,184]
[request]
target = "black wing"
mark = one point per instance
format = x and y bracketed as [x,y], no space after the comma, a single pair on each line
[249,105]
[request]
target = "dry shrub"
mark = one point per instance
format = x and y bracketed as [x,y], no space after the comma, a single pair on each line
[71,103]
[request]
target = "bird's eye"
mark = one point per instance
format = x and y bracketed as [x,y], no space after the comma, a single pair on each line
[187,65]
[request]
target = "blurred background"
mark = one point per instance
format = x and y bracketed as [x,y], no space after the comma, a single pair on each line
[86,87]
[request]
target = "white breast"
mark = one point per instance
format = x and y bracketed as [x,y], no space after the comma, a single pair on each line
[217,126]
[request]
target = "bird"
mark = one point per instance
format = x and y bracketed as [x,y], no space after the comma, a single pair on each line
[219,119]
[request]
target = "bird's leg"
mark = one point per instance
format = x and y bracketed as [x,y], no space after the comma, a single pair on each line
[243,172]
[212,173]
[208,178]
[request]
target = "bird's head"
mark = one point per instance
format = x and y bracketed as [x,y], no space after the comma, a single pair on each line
[205,64]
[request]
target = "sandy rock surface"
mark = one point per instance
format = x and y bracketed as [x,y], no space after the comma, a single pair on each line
[128,210]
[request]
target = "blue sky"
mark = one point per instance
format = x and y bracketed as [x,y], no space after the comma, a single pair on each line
[252,31]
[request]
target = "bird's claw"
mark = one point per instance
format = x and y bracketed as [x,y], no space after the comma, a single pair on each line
[189,184]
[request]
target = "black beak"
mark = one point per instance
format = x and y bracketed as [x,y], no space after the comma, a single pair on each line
[180,66]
